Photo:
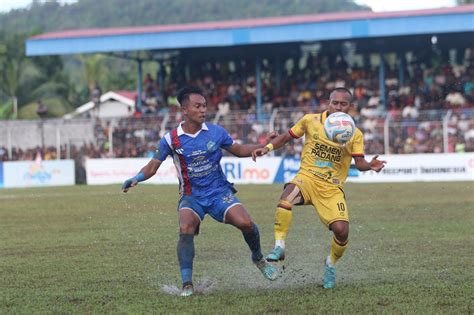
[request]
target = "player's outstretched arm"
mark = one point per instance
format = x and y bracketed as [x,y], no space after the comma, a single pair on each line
[275,144]
[374,164]
[245,150]
[146,172]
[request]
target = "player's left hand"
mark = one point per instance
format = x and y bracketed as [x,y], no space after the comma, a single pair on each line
[377,165]
[129,183]
[259,152]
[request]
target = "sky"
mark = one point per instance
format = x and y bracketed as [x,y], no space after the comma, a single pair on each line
[399,5]
[376,5]
[7,5]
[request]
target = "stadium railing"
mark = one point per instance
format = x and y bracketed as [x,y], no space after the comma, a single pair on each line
[384,133]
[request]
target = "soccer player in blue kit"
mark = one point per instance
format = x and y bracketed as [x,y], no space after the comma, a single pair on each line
[195,147]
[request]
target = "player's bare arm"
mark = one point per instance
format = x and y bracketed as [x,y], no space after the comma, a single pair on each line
[275,144]
[245,150]
[375,164]
[145,173]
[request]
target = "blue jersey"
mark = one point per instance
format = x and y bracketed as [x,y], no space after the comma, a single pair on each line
[197,159]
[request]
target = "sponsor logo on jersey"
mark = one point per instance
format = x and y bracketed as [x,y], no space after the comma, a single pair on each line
[320,163]
[211,146]
[327,152]
[198,152]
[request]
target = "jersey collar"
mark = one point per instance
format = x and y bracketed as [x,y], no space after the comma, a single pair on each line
[181,131]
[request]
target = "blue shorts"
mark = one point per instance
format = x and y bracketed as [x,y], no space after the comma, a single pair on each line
[216,206]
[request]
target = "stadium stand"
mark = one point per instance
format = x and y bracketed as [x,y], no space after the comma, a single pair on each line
[412,94]
[434,109]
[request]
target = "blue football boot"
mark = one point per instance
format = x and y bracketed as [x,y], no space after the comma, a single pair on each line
[188,290]
[267,269]
[329,279]
[276,254]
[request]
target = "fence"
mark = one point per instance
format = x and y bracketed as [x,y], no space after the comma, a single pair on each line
[59,134]
[398,132]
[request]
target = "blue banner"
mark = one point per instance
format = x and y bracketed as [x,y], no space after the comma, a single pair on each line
[287,170]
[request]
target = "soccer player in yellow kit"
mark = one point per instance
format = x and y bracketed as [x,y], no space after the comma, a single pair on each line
[319,182]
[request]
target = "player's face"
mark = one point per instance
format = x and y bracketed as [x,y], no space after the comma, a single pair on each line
[196,108]
[339,101]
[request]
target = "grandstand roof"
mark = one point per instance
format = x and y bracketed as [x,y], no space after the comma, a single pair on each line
[273,30]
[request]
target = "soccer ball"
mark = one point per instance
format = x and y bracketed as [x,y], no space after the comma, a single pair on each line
[339,127]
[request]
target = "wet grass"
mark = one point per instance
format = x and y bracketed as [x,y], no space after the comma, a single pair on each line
[95,250]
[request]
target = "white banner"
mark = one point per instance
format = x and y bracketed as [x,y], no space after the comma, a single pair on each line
[38,173]
[267,170]
[246,171]
[420,167]
[115,171]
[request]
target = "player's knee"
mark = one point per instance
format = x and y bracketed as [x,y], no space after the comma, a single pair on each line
[340,230]
[187,228]
[246,226]
[285,204]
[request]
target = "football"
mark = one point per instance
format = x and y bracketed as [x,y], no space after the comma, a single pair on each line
[339,127]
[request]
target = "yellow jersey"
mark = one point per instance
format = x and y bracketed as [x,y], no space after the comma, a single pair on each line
[321,158]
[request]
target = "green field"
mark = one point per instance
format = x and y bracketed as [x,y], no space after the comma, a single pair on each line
[88,249]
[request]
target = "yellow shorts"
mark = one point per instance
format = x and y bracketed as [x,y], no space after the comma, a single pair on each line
[328,200]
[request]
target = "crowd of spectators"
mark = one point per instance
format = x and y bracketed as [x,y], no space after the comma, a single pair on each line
[415,104]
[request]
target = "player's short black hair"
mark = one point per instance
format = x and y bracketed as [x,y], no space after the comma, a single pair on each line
[183,93]
[342,89]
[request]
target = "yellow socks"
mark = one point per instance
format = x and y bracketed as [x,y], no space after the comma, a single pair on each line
[282,221]
[337,250]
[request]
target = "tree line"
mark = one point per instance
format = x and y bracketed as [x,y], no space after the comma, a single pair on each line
[64,82]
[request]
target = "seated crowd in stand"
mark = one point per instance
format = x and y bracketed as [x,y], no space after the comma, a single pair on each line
[416,109]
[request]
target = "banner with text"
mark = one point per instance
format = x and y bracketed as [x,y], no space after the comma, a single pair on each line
[239,171]
[115,171]
[38,173]
[400,168]
[420,167]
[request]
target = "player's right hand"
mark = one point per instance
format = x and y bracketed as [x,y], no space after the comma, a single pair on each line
[259,152]
[131,182]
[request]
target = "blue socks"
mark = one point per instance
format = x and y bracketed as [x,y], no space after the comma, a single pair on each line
[253,240]
[185,251]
